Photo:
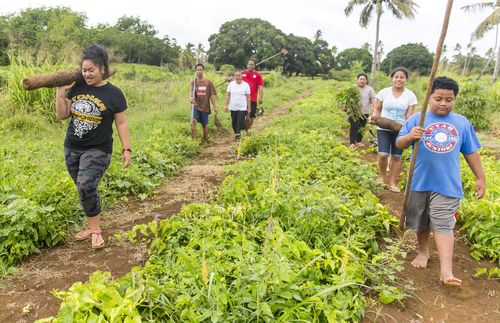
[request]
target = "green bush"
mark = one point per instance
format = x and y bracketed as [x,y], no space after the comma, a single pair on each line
[472,102]
[347,99]
[227,69]
[342,75]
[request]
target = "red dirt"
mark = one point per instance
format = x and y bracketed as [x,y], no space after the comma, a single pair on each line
[430,301]
[26,296]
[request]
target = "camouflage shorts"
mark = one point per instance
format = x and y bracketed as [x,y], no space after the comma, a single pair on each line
[86,168]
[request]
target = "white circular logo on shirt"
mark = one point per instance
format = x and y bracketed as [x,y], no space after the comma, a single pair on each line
[440,137]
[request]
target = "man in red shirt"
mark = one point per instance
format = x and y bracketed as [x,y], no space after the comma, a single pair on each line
[254,79]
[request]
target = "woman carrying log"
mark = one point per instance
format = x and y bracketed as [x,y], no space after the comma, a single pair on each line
[93,107]
[394,103]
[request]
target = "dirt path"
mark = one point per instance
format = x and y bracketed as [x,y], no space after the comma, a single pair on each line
[26,295]
[429,301]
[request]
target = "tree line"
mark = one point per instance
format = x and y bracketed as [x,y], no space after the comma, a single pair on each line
[57,35]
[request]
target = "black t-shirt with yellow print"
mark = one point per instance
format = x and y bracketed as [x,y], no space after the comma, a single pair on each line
[92,116]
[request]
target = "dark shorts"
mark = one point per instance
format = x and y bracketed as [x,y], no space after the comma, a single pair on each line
[201,117]
[431,209]
[387,143]
[86,168]
[253,109]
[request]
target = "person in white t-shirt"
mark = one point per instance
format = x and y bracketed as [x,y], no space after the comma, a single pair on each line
[238,102]
[396,103]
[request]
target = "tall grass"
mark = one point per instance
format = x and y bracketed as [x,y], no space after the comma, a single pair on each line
[38,102]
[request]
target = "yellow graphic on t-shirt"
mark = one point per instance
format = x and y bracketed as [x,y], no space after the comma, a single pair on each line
[87,118]
[89,97]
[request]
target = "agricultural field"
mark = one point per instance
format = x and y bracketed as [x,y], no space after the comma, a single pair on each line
[38,201]
[297,231]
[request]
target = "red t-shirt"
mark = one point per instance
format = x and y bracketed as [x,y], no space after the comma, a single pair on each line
[254,80]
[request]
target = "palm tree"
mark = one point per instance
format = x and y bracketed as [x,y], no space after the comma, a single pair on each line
[490,53]
[399,8]
[471,50]
[486,25]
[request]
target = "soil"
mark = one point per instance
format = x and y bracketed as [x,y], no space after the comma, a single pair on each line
[26,295]
[477,300]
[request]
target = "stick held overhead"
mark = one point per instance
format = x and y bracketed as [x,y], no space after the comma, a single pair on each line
[283,51]
[435,64]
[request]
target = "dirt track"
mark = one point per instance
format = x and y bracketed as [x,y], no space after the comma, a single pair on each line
[58,268]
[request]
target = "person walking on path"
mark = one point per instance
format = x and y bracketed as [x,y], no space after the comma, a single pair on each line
[395,103]
[358,122]
[201,93]
[93,106]
[238,102]
[436,189]
[254,79]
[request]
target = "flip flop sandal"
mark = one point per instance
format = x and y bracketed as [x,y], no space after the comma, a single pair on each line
[95,245]
[394,189]
[83,234]
[452,281]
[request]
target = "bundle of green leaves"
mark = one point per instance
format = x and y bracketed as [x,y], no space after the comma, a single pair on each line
[347,98]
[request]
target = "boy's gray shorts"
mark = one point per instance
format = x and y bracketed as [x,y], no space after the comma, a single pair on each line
[431,209]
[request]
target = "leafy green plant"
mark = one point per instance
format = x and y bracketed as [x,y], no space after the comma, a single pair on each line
[32,161]
[291,236]
[472,102]
[347,98]
[479,218]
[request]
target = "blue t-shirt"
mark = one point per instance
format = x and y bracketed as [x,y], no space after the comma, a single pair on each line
[437,168]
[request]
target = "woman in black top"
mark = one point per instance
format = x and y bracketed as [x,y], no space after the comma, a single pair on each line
[93,107]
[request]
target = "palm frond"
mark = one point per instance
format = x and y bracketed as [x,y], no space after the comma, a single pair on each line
[366,15]
[402,8]
[352,3]
[487,24]
[480,6]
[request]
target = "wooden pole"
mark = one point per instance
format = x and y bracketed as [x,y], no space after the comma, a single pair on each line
[435,65]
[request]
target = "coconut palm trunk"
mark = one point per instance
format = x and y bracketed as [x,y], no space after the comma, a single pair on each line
[497,66]
[483,71]
[375,48]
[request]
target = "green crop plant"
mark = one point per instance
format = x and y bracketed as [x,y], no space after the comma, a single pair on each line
[290,236]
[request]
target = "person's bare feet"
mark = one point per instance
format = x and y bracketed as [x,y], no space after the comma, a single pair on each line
[451,281]
[420,260]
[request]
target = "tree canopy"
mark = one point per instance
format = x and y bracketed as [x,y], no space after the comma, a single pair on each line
[242,39]
[413,56]
[346,58]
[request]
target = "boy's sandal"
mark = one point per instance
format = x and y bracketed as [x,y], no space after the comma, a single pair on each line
[83,234]
[95,240]
[352,146]
[394,189]
[360,144]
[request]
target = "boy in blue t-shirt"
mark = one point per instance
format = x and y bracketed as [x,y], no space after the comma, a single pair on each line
[436,188]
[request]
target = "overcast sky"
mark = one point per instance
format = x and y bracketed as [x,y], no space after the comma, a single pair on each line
[195,20]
